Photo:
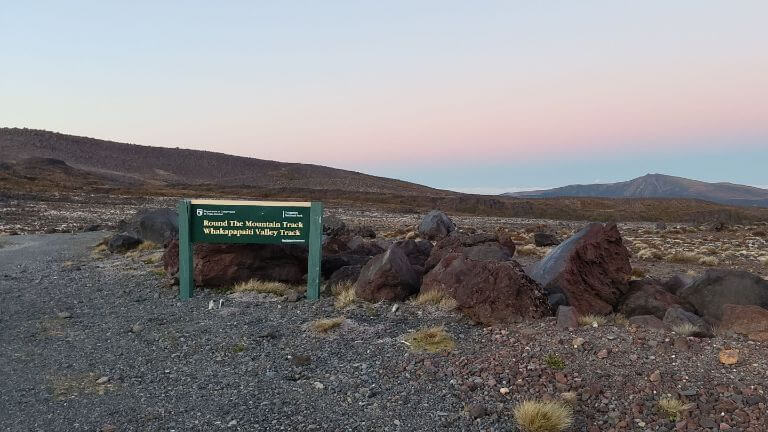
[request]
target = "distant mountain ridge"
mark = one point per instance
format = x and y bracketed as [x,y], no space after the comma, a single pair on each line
[660,186]
[131,163]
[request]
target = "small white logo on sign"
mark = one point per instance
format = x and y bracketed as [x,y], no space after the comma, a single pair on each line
[199,212]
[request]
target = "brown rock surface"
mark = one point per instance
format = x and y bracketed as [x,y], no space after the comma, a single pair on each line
[227,264]
[748,320]
[646,297]
[716,288]
[387,276]
[488,291]
[591,269]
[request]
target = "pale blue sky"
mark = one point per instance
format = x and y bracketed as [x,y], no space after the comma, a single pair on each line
[482,96]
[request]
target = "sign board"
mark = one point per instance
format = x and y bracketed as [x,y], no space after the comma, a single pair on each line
[260,222]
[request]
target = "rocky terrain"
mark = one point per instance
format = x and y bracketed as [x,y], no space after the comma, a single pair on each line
[624,325]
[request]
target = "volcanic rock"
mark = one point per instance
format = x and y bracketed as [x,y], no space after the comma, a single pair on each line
[333,226]
[480,246]
[387,276]
[543,239]
[716,288]
[748,320]
[158,225]
[228,264]
[567,317]
[345,274]
[122,243]
[436,225]
[646,297]
[488,291]
[675,316]
[591,268]
[417,251]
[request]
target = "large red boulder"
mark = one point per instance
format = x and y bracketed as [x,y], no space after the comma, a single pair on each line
[488,291]
[227,264]
[591,269]
[748,320]
[387,276]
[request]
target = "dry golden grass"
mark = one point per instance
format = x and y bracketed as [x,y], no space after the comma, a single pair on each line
[432,339]
[648,254]
[531,250]
[266,287]
[685,329]
[709,261]
[673,408]
[147,246]
[346,296]
[326,324]
[538,416]
[435,298]
[592,320]
[99,251]
[684,258]
[620,319]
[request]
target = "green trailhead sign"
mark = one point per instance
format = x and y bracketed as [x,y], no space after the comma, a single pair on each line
[231,222]
[260,222]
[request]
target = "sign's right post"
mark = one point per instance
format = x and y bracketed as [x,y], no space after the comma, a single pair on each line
[315,250]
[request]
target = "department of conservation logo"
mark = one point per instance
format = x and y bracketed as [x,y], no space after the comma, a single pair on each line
[199,212]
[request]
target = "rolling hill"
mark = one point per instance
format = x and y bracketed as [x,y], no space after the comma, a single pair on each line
[660,186]
[139,164]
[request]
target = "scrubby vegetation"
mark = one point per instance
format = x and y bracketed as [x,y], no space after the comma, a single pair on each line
[673,408]
[538,416]
[345,295]
[266,287]
[592,320]
[326,324]
[432,339]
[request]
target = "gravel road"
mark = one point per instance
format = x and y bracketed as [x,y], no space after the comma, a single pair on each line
[69,320]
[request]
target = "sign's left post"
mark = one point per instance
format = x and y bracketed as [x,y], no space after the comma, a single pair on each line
[186,266]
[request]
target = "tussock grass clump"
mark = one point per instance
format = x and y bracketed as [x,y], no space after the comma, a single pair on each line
[638,272]
[555,362]
[435,298]
[99,251]
[649,254]
[266,287]
[592,320]
[620,319]
[538,416]
[684,258]
[673,408]
[326,324]
[531,250]
[685,329]
[346,296]
[147,246]
[709,261]
[432,339]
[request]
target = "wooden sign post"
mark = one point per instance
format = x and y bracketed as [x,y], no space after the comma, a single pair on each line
[262,222]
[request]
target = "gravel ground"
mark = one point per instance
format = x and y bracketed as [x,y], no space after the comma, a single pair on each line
[104,344]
